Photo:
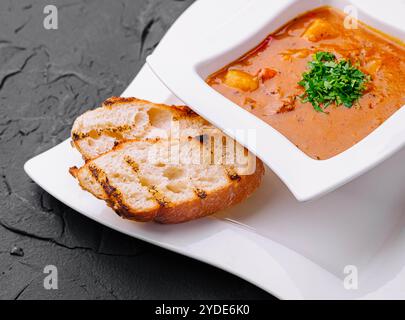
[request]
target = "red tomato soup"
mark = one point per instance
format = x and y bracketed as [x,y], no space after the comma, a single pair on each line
[265,82]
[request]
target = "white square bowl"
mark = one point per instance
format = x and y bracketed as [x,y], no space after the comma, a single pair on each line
[182,62]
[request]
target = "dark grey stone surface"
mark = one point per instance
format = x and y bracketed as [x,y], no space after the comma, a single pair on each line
[47,78]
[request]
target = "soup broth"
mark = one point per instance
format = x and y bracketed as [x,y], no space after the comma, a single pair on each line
[265,82]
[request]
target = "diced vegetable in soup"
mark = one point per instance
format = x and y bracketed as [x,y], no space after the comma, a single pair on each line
[320,29]
[241,80]
[324,87]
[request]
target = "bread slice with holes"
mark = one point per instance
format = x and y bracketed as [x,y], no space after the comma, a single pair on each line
[153,162]
[121,119]
[170,181]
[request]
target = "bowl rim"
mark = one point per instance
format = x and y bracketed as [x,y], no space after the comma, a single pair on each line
[185,76]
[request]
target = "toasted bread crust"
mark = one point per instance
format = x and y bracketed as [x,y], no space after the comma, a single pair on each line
[117,101]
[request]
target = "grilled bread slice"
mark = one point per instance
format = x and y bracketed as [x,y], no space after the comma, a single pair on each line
[120,119]
[153,162]
[171,181]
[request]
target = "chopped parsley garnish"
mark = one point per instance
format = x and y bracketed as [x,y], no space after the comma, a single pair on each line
[331,81]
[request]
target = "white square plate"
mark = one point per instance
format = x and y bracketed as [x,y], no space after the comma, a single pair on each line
[290,249]
[293,250]
[211,34]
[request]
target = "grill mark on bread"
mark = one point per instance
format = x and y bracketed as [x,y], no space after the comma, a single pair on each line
[159,197]
[76,136]
[114,132]
[154,192]
[233,175]
[115,200]
[200,193]
[134,166]
[94,172]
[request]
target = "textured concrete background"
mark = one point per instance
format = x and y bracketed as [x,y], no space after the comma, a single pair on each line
[48,78]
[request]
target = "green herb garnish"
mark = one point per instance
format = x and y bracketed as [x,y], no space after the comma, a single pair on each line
[331,81]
